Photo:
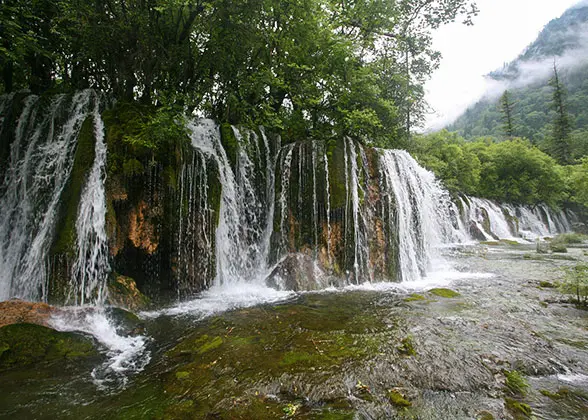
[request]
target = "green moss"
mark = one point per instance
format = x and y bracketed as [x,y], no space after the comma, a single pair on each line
[484,415]
[444,293]
[398,400]
[25,344]
[519,410]
[559,395]
[83,161]
[407,347]
[182,375]
[197,346]
[571,238]
[490,243]
[229,142]
[337,176]
[415,298]
[123,292]
[546,284]
[516,383]
[509,242]
[558,247]
[299,357]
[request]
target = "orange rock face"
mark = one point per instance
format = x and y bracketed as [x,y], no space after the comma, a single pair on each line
[17,311]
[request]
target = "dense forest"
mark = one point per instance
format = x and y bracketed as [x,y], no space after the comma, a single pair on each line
[307,67]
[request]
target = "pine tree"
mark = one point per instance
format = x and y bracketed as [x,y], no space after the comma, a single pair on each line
[562,125]
[507,108]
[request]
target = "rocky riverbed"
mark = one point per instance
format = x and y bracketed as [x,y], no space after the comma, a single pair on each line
[494,340]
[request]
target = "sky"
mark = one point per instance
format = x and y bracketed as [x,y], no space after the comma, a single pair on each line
[501,31]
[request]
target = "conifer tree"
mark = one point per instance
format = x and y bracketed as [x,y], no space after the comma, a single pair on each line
[562,125]
[507,108]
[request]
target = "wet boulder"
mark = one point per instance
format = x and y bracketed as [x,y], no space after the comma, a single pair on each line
[27,344]
[475,232]
[295,273]
[124,293]
[16,311]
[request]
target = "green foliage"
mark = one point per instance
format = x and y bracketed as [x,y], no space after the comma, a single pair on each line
[446,155]
[309,67]
[507,109]
[578,182]
[562,126]
[575,283]
[519,410]
[516,383]
[512,171]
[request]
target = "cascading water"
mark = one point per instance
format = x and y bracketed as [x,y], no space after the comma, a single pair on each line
[242,232]
[91,267]
[41,160]
[425,214]
[488,220]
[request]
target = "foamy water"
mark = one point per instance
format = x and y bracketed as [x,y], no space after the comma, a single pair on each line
[126,354]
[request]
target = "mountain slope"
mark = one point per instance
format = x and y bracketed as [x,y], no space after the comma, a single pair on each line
[563,40]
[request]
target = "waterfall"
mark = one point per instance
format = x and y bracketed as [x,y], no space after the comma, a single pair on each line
[425,214]
[489,220]
[243,226]
[91,267]
[41,159]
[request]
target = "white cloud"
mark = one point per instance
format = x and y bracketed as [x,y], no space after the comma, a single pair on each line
[500,33]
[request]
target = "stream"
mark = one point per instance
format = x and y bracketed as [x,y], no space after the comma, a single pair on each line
[340,353]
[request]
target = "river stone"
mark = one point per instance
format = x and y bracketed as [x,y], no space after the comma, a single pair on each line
[295,273]
[475,232]
[26,344]
[580,227]
[124,293]
[17,311]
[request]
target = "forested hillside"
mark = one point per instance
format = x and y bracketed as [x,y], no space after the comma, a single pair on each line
[562,42]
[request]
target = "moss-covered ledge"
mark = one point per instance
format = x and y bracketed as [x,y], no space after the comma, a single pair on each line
[28,344]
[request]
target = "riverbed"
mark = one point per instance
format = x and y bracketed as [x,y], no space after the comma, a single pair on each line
[443,348]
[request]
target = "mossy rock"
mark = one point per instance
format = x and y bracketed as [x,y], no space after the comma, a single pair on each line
[484,415]
[83,161]
[558,247]
[407,347]
[26,344]
[444,293]
[546,284]
[490,243]
[519,410]
[124,293]
[415,298]
[230,143]
[397,399]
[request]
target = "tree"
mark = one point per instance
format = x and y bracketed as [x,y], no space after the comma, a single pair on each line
[576,283]
[507,109]
[562,125]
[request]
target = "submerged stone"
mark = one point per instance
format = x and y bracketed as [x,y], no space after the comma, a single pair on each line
[296,272]
[444,293]
[26,344]
[397,399]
